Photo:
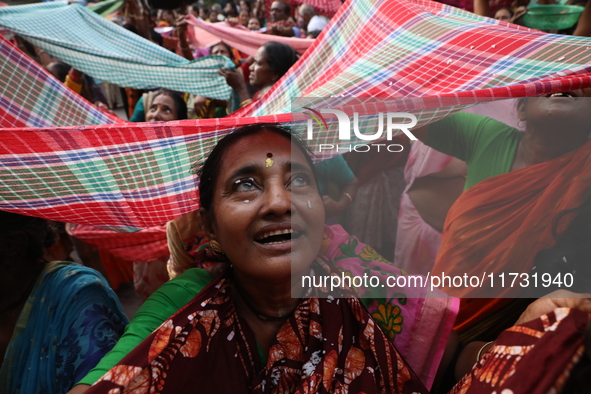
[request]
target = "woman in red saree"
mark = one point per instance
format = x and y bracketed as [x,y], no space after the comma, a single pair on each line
[506,215]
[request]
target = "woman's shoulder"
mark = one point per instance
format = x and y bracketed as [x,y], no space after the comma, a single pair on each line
[184,287]
[67,273]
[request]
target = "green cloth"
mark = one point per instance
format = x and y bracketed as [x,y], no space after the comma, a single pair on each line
[486,145]
[139,113]
[107,51]
[105,8]
[163,303]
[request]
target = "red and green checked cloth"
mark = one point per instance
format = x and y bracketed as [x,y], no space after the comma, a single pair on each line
[138,175]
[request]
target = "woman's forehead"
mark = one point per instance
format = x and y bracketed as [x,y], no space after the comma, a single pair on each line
[261,146]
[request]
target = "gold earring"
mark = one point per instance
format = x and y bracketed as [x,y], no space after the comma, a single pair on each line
[215,246]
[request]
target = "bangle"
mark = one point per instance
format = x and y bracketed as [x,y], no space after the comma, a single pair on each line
[481,350]
[245,102]
[349,197]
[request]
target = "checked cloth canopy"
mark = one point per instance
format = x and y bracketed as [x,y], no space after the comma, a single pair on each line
[31,97]
[435,57]
[107,51]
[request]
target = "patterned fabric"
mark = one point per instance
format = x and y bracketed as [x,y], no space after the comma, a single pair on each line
[70,321]
[398,48]
[205,34]
[31,97]
[111,53]
[527,201]
[417,321]
[534,358]
[138,175]
[326,346]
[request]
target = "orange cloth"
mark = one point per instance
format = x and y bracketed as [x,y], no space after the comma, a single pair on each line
[499,225]
[75,86]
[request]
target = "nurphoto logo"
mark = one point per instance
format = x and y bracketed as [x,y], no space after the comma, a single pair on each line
[394,122]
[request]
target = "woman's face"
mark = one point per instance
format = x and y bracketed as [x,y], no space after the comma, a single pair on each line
[162,109]
[243,17]
[567,112]
[261,74]
[220,50]
[266,215]
[168,17]
[503,15]
[254,24]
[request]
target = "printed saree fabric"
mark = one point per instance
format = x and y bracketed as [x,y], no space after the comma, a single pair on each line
[533,358]
[499,225]
[70,321]
[418,321]
[326,346]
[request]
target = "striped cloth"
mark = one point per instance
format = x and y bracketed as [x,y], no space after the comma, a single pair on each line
[138,175]
[31,97]
[111,53]
[424,48]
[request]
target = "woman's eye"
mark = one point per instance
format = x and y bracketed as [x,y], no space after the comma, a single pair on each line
[244,185]
[300,180]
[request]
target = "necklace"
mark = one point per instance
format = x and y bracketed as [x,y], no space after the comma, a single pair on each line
[260,315]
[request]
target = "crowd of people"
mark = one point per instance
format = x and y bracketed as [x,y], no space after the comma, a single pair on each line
[474,195]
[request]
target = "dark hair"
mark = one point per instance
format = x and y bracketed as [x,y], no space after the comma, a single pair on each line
[314,33]
[209,171]
[131,28]
[157,38]
[39,233]
[280,57]
[234,7]
[61,70]
[286,7]
[228,47]
[181,106]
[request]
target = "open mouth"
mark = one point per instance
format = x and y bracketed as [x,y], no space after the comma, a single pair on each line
[277,237]
[562,94]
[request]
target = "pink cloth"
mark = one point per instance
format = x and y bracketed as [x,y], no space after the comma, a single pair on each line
[417,243]
[424,318]
[205,34]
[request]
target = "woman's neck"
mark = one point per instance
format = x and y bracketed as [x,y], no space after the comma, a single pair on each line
[270,301]
[265,308]
[535,148]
